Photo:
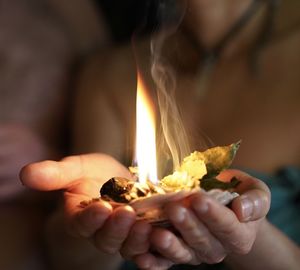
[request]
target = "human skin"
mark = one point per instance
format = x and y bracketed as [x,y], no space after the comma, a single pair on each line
[209,231]
[203,223]
[81,178]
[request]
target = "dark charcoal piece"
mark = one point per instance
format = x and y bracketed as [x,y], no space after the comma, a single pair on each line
[115,189]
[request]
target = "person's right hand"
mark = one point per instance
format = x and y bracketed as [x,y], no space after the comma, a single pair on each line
[81,177]
[204,230]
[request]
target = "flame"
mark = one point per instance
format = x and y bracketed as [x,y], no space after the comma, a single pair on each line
[145,135]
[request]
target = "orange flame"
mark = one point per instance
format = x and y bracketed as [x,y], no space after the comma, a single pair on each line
[145,135]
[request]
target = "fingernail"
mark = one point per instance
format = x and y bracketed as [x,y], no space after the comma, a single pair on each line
[247,208]
[178,215]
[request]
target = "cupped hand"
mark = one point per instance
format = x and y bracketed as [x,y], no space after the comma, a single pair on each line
[206,231]
[81,178]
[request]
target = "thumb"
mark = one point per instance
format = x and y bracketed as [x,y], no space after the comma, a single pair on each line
[254,202]
[53,175]
[252,205]
[49,175]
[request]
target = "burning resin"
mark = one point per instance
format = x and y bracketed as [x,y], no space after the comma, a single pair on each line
[197,173]
[122,190]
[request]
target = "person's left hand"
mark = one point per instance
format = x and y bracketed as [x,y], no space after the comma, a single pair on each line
[81,177]
[205,230]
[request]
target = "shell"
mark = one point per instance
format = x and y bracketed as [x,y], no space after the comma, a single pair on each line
[196,174]
[151,208]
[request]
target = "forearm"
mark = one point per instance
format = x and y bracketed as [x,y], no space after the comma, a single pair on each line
[271,250]
[67,252]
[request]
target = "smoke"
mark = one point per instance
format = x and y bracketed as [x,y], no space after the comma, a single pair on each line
[173,140]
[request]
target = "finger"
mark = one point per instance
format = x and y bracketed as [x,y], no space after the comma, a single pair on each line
[195,233]
[254,203]
[110,238]
[222,223]
[137,241]
[251,206]
[86,221]
[170,247]
[150,262]
[52,175]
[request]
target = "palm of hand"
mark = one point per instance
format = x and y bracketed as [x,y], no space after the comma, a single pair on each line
[81,177]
